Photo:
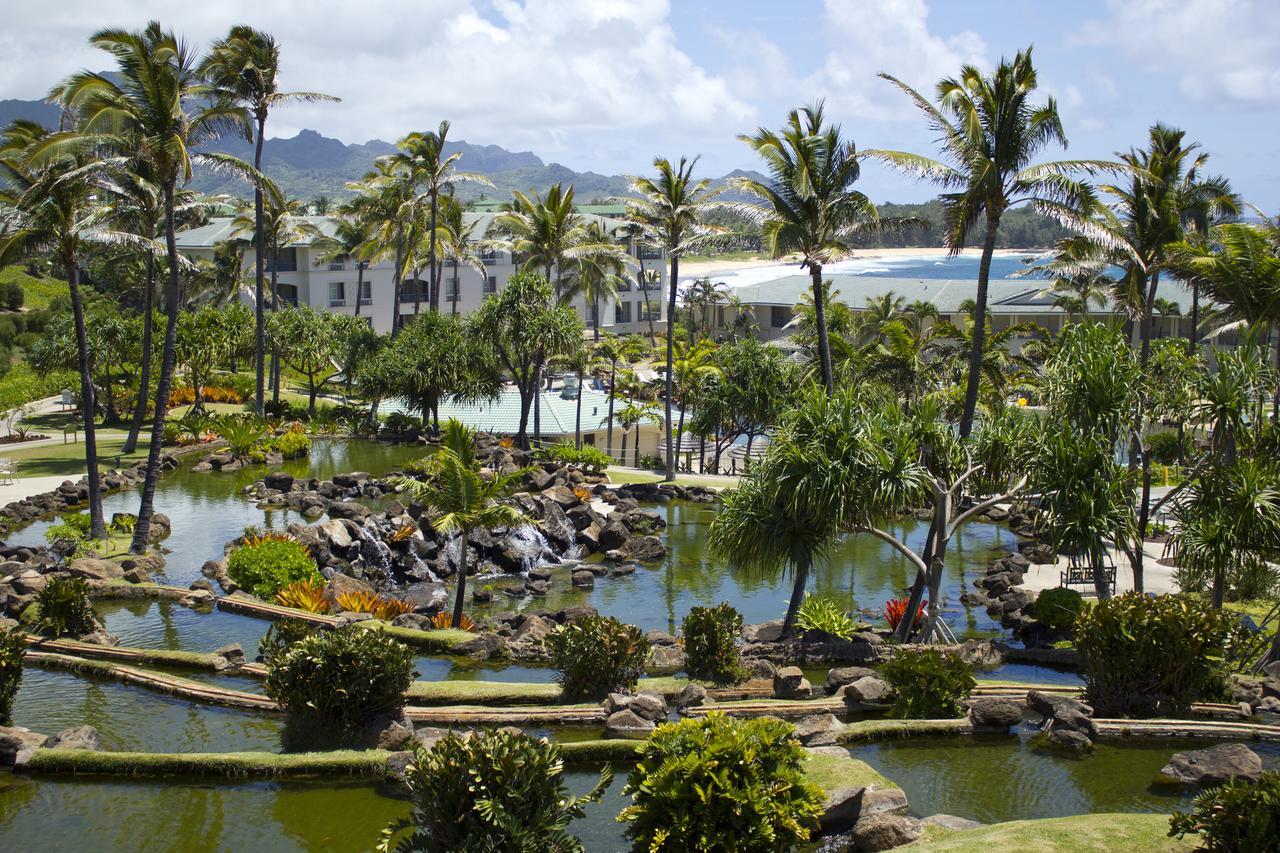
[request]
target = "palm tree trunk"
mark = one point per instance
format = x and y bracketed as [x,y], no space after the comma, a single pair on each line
[457,287]
[624,445]
[613,373]
[1193,339]
[97,525]
[398,273]
[259,252]
[595,319]
[431,256]
[460,596]
[797,596]
[417,291]
[820,320]
[979,325]
[644,292]
[671,334]
[537,400]
[635,451]
[359,284]
[144,370]
[146,507]
[275,306]
[577,416]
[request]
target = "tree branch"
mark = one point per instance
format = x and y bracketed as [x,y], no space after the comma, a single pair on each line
[982,507]
[900,546]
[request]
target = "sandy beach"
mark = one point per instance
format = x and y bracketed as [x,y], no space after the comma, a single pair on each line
[700,269]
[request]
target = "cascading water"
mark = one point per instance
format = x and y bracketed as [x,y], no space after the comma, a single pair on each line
[375,553]
[528,544]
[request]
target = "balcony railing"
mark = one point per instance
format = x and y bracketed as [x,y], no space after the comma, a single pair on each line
[337,266]
[338,303]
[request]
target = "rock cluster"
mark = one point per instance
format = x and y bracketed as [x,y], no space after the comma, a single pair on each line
[1068,723]
[18,744]
[865,817]
[75,493]
[1258,694]
[764,640]
[633,715]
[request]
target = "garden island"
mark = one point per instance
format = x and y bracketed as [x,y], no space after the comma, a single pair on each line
[414,520]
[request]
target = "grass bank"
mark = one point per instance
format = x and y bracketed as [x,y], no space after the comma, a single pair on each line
[1133,833]
[228,765]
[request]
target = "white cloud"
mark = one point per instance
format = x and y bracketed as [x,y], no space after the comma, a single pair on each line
[891,36]
[1218,50]
[532,74]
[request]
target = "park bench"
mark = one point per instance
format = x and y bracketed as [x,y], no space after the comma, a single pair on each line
[1081,575]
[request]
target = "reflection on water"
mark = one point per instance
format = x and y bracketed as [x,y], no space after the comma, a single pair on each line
[993,779]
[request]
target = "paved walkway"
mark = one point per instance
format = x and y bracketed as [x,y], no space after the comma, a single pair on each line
[1155,577]
[28,486]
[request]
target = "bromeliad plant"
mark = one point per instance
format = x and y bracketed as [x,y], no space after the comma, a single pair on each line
[445,620]
[464,499]
[379,606]
[240,433]
[895,609]
[825,615]
[307,594]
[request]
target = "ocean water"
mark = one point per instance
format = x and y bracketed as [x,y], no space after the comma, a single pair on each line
[962,267]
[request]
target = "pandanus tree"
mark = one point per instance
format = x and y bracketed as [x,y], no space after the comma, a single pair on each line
[152,107]
[463,499]
[990,133]
[243,69]
[808,205]
[48,205]
[670,207]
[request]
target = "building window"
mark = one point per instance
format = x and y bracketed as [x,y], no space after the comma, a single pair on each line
[337,294]
[654,313]
[451,289]
[286,260]
[779,316]
[491,258]
[491,284]
[648,253]
[622,312]
[366,293]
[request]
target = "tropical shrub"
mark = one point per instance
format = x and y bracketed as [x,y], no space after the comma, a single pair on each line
[13,643]
[896,608]
[825,615]
[240,433]
[494,790]
[597,655]
[266,566]
[930,684]
[307,594]
[64,608]
[1149,656]
[74,526]
[428,466]
[281,635]
[1165,447]
[1058,609]
[565,453]
[649,462]
[721,784]
[710,643]
[123,522]
[1237,816]
[400,423]
[292,444]
[340,679]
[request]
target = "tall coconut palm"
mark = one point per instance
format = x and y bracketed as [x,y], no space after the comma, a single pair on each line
[461,245]
[48,205]
[609,351]
[243,68]
[463,499]
[352,240]
[153,107]
[637,237]
[595,277]
[422,158]
[809,205]
[670,207]
[990,133]
[386,197]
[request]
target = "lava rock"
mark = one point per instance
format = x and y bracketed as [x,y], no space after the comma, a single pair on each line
[790,683]
[988,714]
[840,676]
[76,737]
[818,729]
[1214,765]
[884,832]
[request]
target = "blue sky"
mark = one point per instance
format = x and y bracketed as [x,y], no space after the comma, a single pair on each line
[607,84]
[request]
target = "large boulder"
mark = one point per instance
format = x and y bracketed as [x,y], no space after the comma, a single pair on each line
[818,729]
[645,549]
[868,693]
[76,737]
[650,706]
[665,660]
[614,535]
[989,714]
[790,683]
[691,696]
[17,744]
[1211,766]
[90,568]
[884,832]
[627,723]
[341,584]
[840,676]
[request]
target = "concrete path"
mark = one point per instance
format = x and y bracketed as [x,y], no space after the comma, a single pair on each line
[1155,577]
[28,486]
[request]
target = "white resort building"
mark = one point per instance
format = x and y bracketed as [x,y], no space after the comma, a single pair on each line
[303,278]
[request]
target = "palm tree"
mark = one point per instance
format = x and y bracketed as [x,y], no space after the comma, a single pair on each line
[998,364]
[595,277]
[352,239]
[242,69]
[670,207]
[630,417]
[458,234]
[579,360]
[1166,308]
[385,196]
[645,280]
[464,499]
[284,221]
[48,207]
[810,206]
[421,156]
[991,132]
[879,312]
[610,350]
[1077,290]
[144,109]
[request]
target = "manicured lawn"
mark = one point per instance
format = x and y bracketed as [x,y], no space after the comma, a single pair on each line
[831,772]
[36,292]
[1132,833]
[67,460]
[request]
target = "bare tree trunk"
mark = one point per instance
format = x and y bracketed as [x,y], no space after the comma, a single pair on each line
[259,258]
[613,374]
[431,256]
[144,369]
[797,596]
[97,524]
[275,306]
[577,417]
[670,389]
[979,326]
[146,507]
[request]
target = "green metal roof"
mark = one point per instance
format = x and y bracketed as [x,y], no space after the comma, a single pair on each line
[502,416]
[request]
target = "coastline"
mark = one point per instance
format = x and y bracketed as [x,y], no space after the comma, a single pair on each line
[699,269]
